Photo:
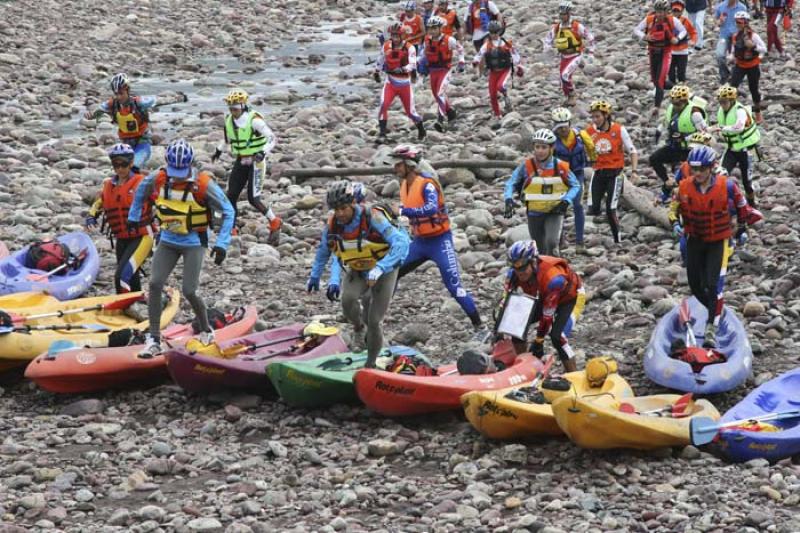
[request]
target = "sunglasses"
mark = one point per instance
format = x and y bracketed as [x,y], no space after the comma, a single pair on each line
[520,265]
[121,164]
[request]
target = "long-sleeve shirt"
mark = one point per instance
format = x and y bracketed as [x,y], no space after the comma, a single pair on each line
[452,44]
[520,175]
[736,201]
[215,200]
[583,32]
[428,209]
[393,78]
[678,29]
[259,126]
[758,42]
[497,42]
[739,125]
[725,14]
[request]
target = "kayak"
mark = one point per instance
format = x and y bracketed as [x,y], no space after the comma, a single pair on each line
[3,250]
[327,380]
[773,441]
[206,374]
[519,413]
[394,394]
[93,369]
[590,423]
[676,374]
[88,328]
[64,285]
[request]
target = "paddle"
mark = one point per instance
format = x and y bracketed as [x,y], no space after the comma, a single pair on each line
[685,318]
[122,303]
[336,364]
[3,250]
[315,329]
[703,429]
[682,407]
[54,327]
[72,261]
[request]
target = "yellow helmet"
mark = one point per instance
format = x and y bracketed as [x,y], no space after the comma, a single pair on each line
[701,137]
[600,105]
[598,369]
[236,96]
[727,92]
[680,92]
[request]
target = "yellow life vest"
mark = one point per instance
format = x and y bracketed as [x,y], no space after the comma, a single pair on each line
[545,188]
[360,249]
[568,40]
[181,206]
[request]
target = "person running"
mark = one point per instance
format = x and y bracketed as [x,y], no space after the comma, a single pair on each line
[371,248]
[184,199]
[702,202]
[251,142]
[699,138]
[548,187]
[114,201]
[480,13]
[422,202]
[500,58]
[577,149]
[452,27]
[776,9]
[661,31]
[696,11]
[725,14]
[438,51]
[740,132]
[685,115]
[571,39]
[611,142]
[398,60]
[560,293]
[747,48]
[412,25]
[680,51]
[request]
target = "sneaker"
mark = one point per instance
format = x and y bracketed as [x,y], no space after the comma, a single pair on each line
[206,338]
[439,124]
[451,115]
[421,133]
[709,338]
[580,248]
[495,124]
[507,107]
[572,99]
[481,335]
[152,347]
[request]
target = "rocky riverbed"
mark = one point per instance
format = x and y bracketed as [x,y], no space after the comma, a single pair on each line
[159,460]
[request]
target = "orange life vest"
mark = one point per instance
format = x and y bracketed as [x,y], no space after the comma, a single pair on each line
[549,267]
[414,196]
[438,52]
[190,192]
[744,57]
[609,147]
[413,27]
[132,121]
[683,44]
[659,31]
[451,18]
[706,216]
[395,59]
[569,37]
[117,200]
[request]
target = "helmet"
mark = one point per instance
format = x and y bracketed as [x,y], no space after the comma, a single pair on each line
[121,150]
[741,15]
[407,153]
[339,193]
[726,91]
[680,92]
[661,5]
[395,29]
[544,136]
[436,22]
[561,115]
[600,105]
[701,138]
[236,96]
[702,156]
[681,3]
[180,155]
[495,26]
[565,6]
[522,251]
[442,2]
[119,81]
[359,192]
[411,5]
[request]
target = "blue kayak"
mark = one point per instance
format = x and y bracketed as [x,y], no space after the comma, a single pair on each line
[712,378]
[777,395]
[65,285]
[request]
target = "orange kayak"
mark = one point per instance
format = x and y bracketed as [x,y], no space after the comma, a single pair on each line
[92,369]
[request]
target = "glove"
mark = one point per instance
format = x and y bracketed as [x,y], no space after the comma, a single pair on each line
[259,157]
[376,76]
[312,285]
[537,347]
[509,212]
[90,222]
[519,72]
[561,208]
[741,235]
[677,230]
[218,254]
[333,292]
[375,274]
[217,155]
[461,67]
[132,226]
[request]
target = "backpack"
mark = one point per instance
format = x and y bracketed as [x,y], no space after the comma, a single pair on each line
[47,255]
[412,365]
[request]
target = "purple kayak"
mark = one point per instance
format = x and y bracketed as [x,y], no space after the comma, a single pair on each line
[246,372]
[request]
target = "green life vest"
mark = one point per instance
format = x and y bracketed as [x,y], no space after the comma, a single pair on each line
[743,139]
[685,125]
[244,141]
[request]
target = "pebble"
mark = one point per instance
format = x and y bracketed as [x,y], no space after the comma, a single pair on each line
[204,524]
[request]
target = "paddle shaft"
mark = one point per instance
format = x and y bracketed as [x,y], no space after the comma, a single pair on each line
[233,350]
[703,434]
[55,327]
[117,304]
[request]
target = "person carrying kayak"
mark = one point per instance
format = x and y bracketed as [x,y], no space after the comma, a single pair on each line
[680,51]
[481,13]
[452,26]
[560,294]
[576,148]
[438,52]
[371,248]
[251,142]
[747,48]
[412,24]
[548,187]
[703,203]
[422,202]
[183,199]
[114,201]
[501,59]
[571,39]
[398,60]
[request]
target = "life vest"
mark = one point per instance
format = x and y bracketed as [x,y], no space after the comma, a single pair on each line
[576,155]
[451,18]
[609,147]
[660,32]
[117,200]
[413,27]
[568,40]
[414,196]
[745,57]
[244,141]
[706,216]
[362,247]
[498,57]
[683,44]
[132,121]
[395,59]
[741,140]
[681,126]
[479,16]
[549,267]
[181,204]
[47,255]
[544,188]
[698,358]
[437,52]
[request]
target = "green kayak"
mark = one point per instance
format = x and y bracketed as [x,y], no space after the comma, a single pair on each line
[325,380]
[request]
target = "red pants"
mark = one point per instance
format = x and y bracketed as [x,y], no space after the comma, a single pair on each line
[660,60]
[569,64]
[773,32]
[393,88]
[440,79]
[498,80]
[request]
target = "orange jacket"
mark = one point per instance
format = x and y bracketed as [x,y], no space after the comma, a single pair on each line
[451,17]
[438,52]
[548,268]
[661,32]
[609,147]
[395,59]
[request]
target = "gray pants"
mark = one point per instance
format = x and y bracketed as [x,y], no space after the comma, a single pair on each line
[546,231]
[164,260]
[354,287]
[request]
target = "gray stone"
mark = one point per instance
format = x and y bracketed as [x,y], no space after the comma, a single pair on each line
[383,447]
[152,512]
[471,260]
[33,501]
[652,234]
[514,453]
[121,517]
[84,495]
[277,449]
[481,218]
[83,407]
[517,233]
[204,524]
[452,176]
[307,202]
[415,333]
[161,449]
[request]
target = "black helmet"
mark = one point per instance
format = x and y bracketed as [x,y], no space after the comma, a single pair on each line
[495,27]
[340,193]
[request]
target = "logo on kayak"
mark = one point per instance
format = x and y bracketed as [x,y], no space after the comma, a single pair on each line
[762,447]
[86,358]
[300,379]
[489,407]
[392,389]
[203,369]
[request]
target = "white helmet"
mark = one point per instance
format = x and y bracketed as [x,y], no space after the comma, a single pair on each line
[565,6]
[436,22]
[741,15]
[544,136]
[561,114]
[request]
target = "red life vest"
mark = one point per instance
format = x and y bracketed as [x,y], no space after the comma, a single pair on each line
[117,200]
[451,18]
[699,357]
[549,267]
[414,196]
[132,121]
[395,59]
[414,28]
[438,52]
[706,216]
[660,32]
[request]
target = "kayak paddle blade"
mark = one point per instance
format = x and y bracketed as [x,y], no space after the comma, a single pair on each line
[702,430]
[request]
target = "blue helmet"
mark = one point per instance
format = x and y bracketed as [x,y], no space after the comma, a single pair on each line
[121,150]
[411,5]
[522,251]
[359,192]
[702,156]
[179,158]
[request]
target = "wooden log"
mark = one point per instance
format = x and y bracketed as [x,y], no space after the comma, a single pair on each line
[305,173]
[643,202]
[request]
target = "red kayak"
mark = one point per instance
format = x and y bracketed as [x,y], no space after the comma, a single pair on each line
[394,394]
[93,369]
[247,371]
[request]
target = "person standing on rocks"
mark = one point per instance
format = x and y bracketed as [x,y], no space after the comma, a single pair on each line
[696,11]
[570,38]
[501,59]
[725,14]
[398,60]
[412,24]
[251,142]
[480,13]
[577,149]
[611,142]
[438,51]
[747,48]
[680,51]
[115,199]
[371,248]
[184,199]
[452,27]
[775,9]
[548,187]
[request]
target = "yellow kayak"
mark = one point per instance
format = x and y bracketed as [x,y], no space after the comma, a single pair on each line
[602,425]
[89,328]
[519,413]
